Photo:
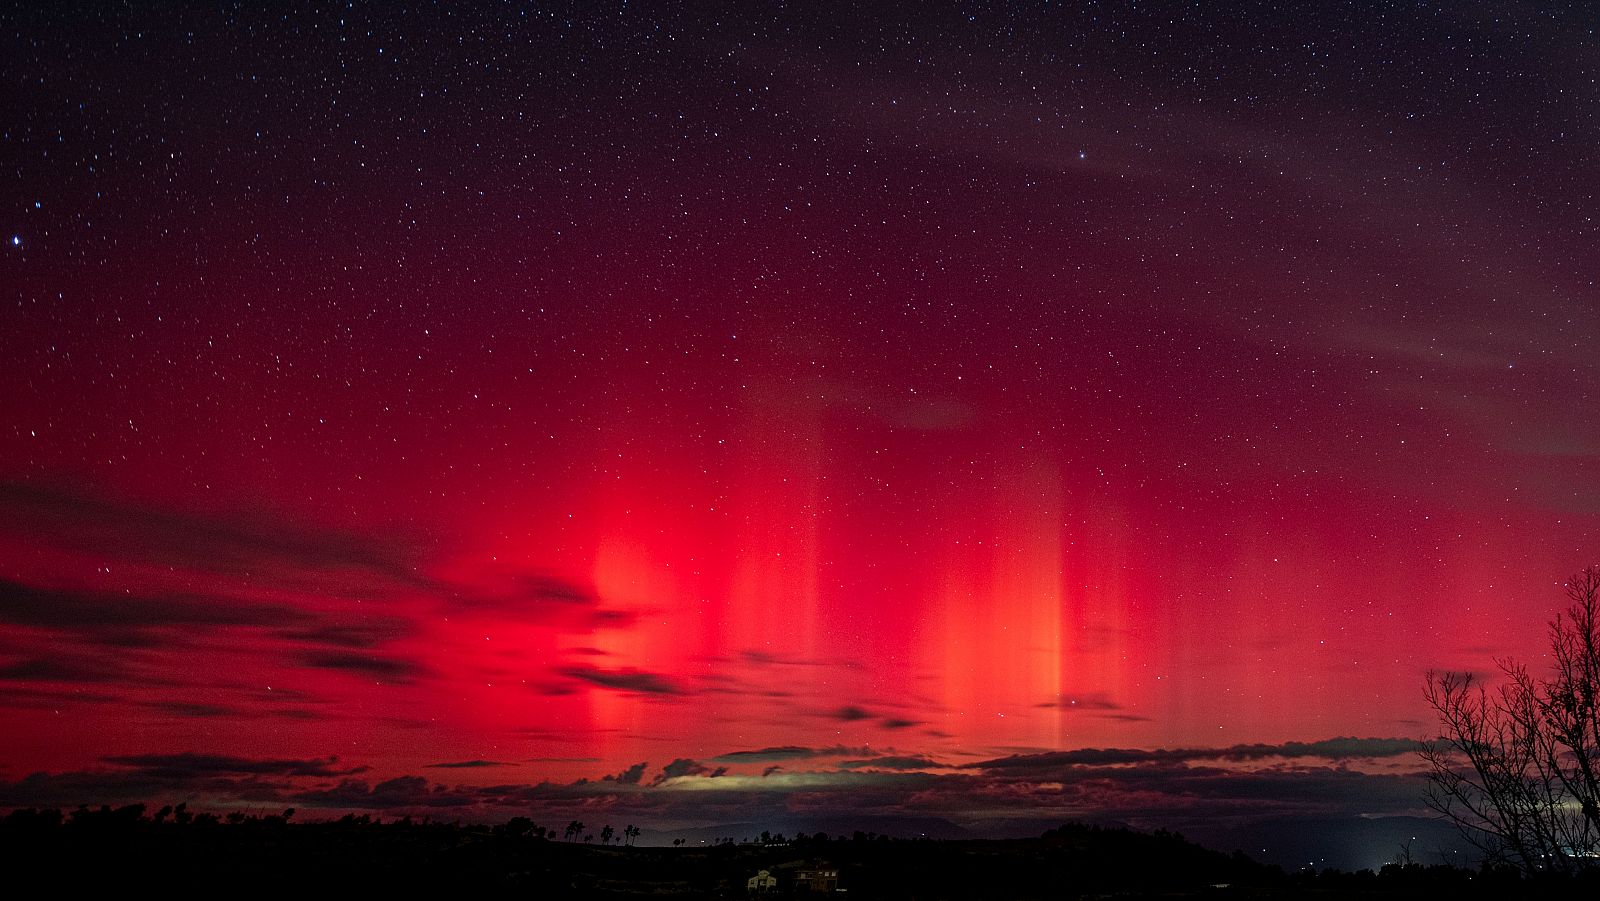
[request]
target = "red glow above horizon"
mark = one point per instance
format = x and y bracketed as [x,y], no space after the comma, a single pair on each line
[791,570]
[863,410]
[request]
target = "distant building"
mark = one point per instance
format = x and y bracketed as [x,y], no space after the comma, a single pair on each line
[762,883]
[817,880]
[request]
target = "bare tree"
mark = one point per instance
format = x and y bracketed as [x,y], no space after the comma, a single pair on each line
[1517,768]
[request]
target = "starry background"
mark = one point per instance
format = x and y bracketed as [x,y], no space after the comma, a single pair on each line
[976,415]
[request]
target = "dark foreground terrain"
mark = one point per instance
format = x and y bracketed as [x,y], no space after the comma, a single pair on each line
[118,850]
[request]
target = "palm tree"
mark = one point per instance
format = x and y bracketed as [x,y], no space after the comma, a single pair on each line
[630,832]
[606,833]
[574,829]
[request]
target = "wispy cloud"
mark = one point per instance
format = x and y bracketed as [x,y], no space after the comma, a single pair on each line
[401,792]
[233,543]
[190,765]
[1087,701]
[850,713]
[70,667]
[891,763]
[627,680]
[387,668]
[789,752]
[1332,749]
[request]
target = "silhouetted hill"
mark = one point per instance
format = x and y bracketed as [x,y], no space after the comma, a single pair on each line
[113,850]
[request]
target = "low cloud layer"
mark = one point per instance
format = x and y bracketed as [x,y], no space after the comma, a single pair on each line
[1191,789]
[788,752]
[1331,749]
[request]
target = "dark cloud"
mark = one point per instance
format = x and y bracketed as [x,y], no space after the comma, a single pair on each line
[630,776]
[199,711]
[294,713]
[191,765]
[369,633]
[92,636]
[722,683]
[685,766]
[36,698]
[897,723]
[402,792]
[612,619]
[1333,748]
[237,543]
[630,680]
[789,752]
[68,667]
[268,550]
[545,587]
[119,618]
[891,763]
[387,668]
[758,657]
[96,635]
[1083,702]
[71,789]
[467,765]
[538,596]
[851,713]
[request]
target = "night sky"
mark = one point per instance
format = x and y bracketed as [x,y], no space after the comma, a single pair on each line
[977,415]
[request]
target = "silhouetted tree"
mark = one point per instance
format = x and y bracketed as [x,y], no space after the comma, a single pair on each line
[1517,770]
[574,829]
[606,832]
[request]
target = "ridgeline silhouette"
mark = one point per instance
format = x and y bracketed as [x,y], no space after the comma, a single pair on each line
[113,849]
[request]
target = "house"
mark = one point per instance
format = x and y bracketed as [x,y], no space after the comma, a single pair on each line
[816,880]
[762,883]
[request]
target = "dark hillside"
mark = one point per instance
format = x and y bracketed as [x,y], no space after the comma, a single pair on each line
[114,850]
